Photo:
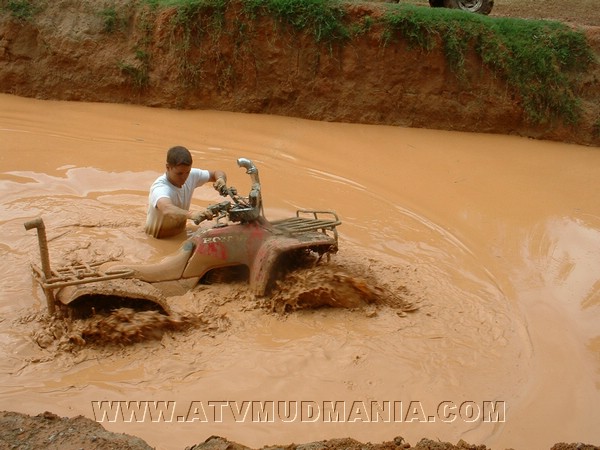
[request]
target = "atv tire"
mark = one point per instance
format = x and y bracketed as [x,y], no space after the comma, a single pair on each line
[436,3]
[474,6]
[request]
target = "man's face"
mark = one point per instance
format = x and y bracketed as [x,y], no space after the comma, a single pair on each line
[178,174]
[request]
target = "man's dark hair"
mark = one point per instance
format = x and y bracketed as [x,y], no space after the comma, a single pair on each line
[179,155]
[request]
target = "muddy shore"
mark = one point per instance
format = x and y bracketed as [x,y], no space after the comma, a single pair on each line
[47,430]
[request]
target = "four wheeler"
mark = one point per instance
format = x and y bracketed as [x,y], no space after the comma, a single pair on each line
[239,236]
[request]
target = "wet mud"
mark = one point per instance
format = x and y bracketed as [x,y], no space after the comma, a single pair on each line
[467,273]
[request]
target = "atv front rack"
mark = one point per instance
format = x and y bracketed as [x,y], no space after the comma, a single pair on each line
[307,220]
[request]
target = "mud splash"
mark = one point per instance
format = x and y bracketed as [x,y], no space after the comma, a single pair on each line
[123,326]
[342,283]
[306,286]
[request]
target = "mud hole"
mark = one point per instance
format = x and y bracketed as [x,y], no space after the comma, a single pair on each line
[346,281]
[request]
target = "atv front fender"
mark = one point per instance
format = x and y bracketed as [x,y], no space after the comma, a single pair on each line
[264,266]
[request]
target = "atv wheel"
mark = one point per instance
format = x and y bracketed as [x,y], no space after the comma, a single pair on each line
[436,3]
[474,6]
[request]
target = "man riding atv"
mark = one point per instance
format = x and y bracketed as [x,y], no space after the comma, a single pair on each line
[171,194]
[239,237]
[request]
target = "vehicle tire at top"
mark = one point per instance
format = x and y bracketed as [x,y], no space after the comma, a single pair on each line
[475,6]
[436,3]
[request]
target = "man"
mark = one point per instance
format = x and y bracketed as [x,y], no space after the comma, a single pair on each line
[171,194]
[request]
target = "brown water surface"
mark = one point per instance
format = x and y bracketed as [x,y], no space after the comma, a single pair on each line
[496,238]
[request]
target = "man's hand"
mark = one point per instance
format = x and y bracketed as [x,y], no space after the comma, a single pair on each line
[220,186]
[201,215]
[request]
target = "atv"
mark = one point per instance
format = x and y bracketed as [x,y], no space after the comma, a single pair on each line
[239,237]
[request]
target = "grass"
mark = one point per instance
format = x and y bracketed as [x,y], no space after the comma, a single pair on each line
[20,9]
[324,19]
[113,19]
[534,57]
[139,73]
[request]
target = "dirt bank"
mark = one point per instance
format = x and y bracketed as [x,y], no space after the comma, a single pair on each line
[79,50]
[47,430]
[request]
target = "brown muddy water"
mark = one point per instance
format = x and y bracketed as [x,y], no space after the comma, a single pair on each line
[495,238]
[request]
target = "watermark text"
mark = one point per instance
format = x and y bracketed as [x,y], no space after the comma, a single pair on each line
[304,411]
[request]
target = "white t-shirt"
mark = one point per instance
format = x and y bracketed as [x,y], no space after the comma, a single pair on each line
[181,197]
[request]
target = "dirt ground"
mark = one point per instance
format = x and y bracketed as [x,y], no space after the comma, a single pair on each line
[50,431]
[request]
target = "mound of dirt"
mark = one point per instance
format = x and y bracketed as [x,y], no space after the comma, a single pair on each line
[49,431]
[219,443]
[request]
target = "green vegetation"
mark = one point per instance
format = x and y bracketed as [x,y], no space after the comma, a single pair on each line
[113,19]
[324,19]
[20,9]
[109,15]
[189,12]
[540,60]
[138,73]
[596,128]
[534,57]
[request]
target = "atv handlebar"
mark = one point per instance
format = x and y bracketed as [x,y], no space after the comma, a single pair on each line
[239,209]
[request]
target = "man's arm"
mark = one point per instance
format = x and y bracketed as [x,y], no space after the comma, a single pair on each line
[216,174]
[166,206]
[219,179]
[176,215]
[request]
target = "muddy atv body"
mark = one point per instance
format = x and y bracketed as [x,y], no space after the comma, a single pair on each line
[239,237]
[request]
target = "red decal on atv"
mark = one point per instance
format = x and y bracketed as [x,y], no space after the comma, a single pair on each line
[214,249]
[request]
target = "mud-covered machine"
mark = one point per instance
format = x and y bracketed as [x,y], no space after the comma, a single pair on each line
[239,237]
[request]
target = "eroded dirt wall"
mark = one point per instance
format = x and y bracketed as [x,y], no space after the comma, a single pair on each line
[66,52]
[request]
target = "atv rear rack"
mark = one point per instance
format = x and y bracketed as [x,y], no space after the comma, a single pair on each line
[307,220]
[77,274]
[81,273]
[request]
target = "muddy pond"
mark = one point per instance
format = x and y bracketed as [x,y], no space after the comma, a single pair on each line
[495,238]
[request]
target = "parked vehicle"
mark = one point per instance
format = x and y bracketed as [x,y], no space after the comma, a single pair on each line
[474,6]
